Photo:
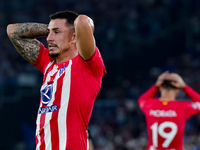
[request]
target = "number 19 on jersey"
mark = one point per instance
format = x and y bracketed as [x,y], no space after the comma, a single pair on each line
[160,130]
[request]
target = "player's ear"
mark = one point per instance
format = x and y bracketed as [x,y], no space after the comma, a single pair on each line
[73,38]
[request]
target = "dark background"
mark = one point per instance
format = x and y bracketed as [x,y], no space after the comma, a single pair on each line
[138,40]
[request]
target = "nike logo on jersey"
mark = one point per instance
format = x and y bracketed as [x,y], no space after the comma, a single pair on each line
[162,113]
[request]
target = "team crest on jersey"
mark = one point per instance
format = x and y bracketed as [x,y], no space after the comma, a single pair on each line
[46,94]
[62,69]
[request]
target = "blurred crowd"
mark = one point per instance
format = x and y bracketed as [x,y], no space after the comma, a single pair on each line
[138,39]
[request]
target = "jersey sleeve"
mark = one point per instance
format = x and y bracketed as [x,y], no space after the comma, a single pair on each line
[192,93]
[43,59]
[95,65]
[148,95]
[192,107]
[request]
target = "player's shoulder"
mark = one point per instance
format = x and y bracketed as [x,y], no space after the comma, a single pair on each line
[190,105]
[148,102]
[184,103]
[181,102]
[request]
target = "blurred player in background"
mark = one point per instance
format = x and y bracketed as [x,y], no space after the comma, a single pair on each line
[73,69]
[166,117]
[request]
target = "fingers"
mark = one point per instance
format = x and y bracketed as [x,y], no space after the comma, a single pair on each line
[164,74]
[175,84]
[176,79]
[161,78]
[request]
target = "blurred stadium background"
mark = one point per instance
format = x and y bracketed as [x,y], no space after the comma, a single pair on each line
[138,39]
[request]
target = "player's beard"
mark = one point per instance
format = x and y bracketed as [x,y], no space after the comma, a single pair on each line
[53,55]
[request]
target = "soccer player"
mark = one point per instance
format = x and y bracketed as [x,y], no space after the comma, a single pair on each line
[73,69]
[165,116]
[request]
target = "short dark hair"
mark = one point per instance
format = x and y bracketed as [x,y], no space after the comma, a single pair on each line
[167,85]
[70,16]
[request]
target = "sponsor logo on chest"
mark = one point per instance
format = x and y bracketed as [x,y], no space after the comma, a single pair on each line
[47,109]
[47,91]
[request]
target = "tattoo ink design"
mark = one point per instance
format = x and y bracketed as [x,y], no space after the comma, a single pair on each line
[23,36]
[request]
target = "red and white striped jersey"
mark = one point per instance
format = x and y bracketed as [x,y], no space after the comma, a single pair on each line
[166,120]
[68,93]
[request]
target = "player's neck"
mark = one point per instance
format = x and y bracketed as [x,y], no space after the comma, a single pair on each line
[163,99]
[70,54]
[167,95]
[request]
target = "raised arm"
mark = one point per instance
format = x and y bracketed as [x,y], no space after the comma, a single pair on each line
[179,83]
[23,37]
[155,88]
[191,93]
[84,28]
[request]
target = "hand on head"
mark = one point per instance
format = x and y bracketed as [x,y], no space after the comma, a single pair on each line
[161,78]
[177,80]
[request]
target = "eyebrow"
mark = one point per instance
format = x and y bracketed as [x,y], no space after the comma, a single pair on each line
[54,29]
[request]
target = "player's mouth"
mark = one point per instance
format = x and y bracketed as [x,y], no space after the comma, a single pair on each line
[52,46]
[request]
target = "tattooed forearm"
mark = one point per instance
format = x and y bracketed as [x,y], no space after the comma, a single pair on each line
[29,49]
[23,36]
[28,30]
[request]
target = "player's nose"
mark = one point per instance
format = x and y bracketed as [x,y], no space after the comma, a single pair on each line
[49,37]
